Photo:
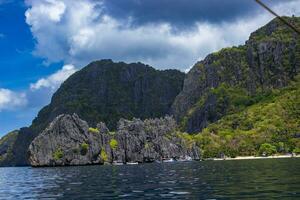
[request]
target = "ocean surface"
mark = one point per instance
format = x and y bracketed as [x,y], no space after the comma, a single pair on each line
[237,179]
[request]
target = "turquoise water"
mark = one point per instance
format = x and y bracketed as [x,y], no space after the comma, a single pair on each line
[244,179]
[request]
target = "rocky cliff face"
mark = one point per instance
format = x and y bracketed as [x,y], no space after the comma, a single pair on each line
[107,91]
[6,146]
[68,140]
[14,146]
[103,91]
[268,60]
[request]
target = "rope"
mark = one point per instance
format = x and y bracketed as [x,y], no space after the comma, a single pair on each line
[279,17]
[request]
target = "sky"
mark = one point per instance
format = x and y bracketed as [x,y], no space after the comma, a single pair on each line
[43,42]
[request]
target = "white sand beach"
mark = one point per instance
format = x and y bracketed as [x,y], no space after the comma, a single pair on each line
[256,157]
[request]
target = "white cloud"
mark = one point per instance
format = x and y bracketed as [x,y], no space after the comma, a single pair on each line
[78,32]
[54,80]
[38,94]
[11,100]
[51,10]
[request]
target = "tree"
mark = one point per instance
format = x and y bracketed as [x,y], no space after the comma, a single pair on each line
[84,148]
[296,150]
[267,149]
[113,143]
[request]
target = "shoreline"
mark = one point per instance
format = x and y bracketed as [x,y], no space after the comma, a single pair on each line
[254,157]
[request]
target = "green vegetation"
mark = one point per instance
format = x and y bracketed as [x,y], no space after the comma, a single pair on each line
[103,155]
[58,154]
[113,143]
[229,100]
[77,94]
[94,130]
[187,138]
[84,148]
[296,150]
[8,141]
[112,133]
[267,149]
[281,34]
[265,124]
[232,79]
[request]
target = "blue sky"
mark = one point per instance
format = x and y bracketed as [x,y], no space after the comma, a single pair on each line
[42,42]
[18,67]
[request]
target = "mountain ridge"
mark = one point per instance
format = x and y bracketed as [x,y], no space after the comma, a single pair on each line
[225,83]
[104,91]
[104,86]
[269,59]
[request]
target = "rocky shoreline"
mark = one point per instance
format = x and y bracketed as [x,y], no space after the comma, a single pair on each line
[68,140]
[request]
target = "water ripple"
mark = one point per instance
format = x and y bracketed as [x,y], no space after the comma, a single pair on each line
[255,179]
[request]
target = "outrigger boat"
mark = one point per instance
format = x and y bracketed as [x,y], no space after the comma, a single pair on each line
[118,163]
[168,160]
[185,159]
[132,163]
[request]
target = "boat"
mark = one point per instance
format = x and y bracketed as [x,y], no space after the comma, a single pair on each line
[132,163]
[188,158]
[185,159]
[169,160]
[117,163]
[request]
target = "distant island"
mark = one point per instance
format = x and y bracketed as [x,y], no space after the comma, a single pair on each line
[239,101]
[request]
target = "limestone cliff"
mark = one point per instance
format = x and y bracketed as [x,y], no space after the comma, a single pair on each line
[107,91]
[235,77]
[68,140]
[102,91]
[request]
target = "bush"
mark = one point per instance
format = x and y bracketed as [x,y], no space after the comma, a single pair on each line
[296,150]
[58,154]
[281,147]
[84,148]
[103,155]
[187,138]
[267,149]
[94,130]
[113,143]
[112,133]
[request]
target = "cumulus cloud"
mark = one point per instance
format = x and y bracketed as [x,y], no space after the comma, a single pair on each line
[38,94]
[82,31]
[52,10]
[10,100]
[54,80]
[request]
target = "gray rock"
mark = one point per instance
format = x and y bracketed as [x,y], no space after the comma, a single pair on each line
[61,143]
[150,140]
[107,91]
[13,152]
[66,141]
